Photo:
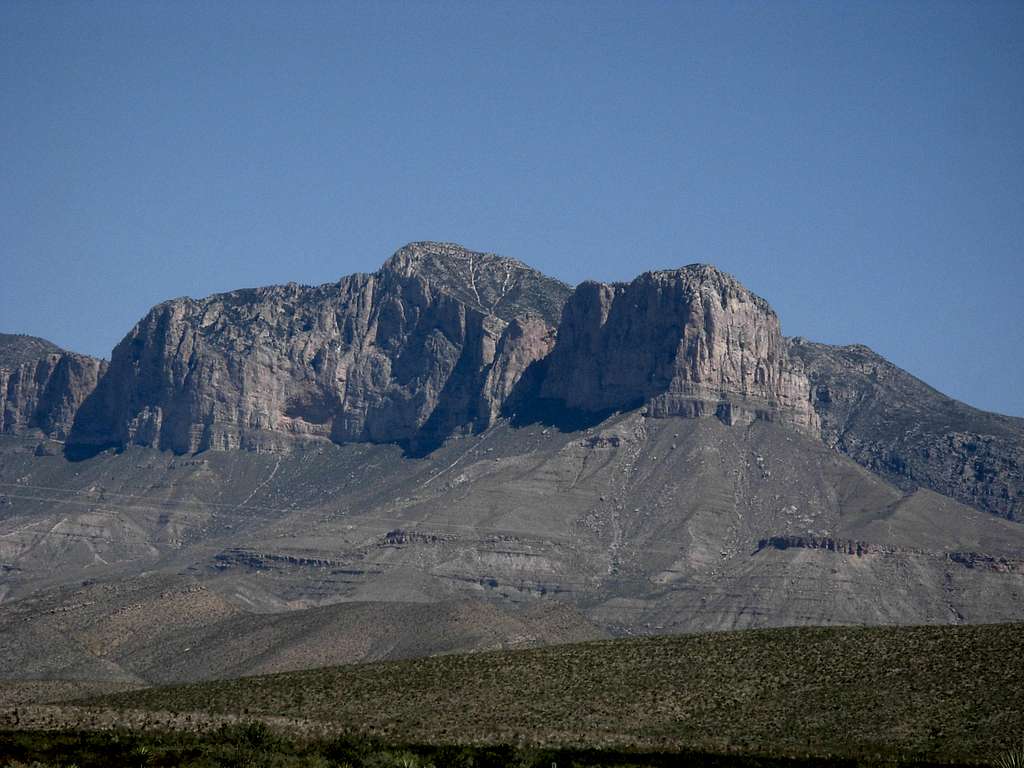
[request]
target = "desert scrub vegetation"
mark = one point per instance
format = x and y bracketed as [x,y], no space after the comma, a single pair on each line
[824,692]
[253,745]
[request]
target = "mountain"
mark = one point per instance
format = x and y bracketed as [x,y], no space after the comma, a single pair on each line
[42,386]
[646,457]
[428,346]
[688,342]
[898,426]
[436,343]
[444,341]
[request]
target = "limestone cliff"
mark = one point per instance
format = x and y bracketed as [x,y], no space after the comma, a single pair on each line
[42,386]
[425,347]
[691,341]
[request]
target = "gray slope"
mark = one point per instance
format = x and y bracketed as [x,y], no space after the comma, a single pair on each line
[643,525]
[897,426]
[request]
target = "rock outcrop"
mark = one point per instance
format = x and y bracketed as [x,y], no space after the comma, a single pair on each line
[978,560]
[426,347]
[42,386]
[690,342]
[899,427]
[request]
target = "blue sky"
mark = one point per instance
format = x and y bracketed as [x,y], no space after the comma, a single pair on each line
[859,164]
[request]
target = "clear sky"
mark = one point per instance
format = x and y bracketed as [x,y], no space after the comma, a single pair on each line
[859,164]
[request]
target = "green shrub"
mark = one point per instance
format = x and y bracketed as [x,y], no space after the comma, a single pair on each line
[250,735]
[403,759]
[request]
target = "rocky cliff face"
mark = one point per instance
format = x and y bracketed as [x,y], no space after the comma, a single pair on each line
[691,341]
[427,346]
[899,427]
[42,386]
[443,340]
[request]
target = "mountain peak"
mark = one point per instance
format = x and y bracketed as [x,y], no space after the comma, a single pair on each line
[493,284]
[701,274]
[18,348]
[434,259]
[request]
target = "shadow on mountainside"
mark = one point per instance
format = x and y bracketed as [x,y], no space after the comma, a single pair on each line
[526,406]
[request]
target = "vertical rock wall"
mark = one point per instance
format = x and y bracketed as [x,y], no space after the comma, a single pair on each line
[44,395]
[691,341]
[426,347]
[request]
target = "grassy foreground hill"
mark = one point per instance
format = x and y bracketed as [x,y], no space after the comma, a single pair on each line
[942,694]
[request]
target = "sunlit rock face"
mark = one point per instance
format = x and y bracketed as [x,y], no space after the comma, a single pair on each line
[429,345]
[691,341]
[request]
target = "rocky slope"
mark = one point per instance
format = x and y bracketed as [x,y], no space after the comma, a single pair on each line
[18,348]
[428,346]
[42,386]
[259,562]
[640,522]
[106,631]
[899,427]
[688,341]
